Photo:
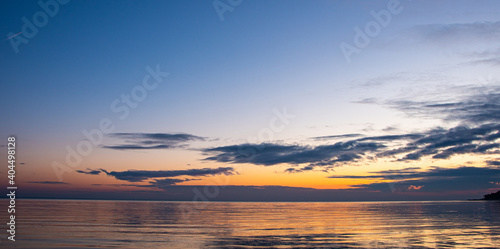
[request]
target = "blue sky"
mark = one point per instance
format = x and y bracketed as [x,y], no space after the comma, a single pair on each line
[227,78]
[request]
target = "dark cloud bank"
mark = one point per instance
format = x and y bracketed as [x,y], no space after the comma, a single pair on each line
[437,143]
[434,180]
[142,175]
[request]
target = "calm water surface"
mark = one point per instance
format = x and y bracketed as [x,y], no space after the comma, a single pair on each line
[147,224]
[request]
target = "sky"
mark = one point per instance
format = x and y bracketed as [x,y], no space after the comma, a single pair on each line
[251,100]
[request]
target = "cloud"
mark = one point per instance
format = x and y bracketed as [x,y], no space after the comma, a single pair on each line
[469,148]
[90,171]
[171,137]
[391,137]
[437,143]
[489,61]
[390,129]
[493,163]
[397,150]
[166,183]
[479,107]
[49,182]
[435,179]
[410,172]
[442,143]
[148,141]
[454,33]
[415,172]
[269,154]
[478,111]
[336,136]
[294,170]
[141,175]
[139,147]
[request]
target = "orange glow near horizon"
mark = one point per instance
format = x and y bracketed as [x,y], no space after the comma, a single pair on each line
[248,175]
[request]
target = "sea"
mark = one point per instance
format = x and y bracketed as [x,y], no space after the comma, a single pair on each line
[163,224]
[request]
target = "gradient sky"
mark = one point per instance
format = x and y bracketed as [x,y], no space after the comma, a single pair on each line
[413,114]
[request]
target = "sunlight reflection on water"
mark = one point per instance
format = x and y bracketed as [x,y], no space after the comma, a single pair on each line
[148,224]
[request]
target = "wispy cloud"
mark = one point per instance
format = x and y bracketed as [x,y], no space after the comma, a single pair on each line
[453,33]
[442,143]
[337,136]
[481,106]
[391,137]
[148,141]
[476,108]
[493,60]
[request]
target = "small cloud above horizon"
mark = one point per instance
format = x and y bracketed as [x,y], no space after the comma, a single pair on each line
[151,141]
